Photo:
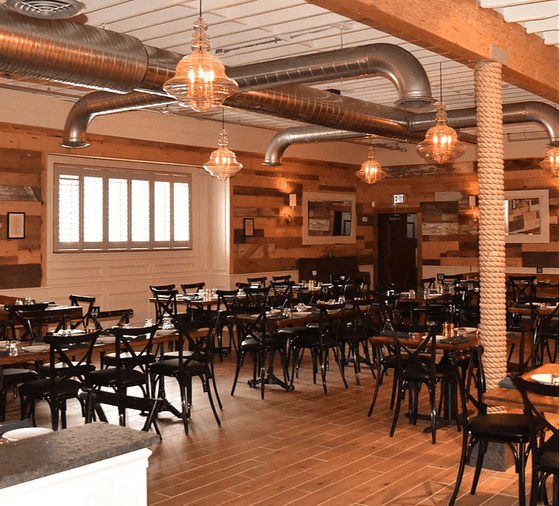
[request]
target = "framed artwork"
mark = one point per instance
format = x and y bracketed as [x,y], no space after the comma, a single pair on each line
[16,225]
[527,217]
[249,227]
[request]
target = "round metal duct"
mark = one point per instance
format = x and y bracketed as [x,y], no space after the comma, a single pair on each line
[47,9]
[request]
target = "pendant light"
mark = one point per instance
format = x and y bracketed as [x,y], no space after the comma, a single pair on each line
[200,80]
[371,172]
[441,144]
[552,159]
[222,163]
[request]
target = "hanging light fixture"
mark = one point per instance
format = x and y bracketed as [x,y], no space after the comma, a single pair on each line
[371,172]
[552,159]
[200,80]
[441,144]
[222,163]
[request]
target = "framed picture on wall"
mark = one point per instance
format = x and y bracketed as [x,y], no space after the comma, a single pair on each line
[249,227]
[16,225]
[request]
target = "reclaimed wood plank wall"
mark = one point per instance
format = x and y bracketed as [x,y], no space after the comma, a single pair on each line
[438,194]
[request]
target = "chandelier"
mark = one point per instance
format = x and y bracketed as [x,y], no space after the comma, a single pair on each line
[222,163]
[441,144]
[371,172]
[552,160]
[200,80]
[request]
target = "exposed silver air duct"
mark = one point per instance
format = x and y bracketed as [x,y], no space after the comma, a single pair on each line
[99,103]
[299,135]
[522,112]
[82,55]
[387,60]
[319,107]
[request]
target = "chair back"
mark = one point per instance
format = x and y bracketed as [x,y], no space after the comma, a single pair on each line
[427,284]
[70,356]
[420,357]
[165,303]
[250,325]
[521,289]
[200,348]
[362,323]
[449,281]
[257,296]
[282,293]
[226,299]
[30,317]
[127,354]
[192,287]
[330,320]
[260,282]
[282,279]
[87,303]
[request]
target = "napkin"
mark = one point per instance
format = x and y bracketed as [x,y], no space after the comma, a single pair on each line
[507,383]
[455,340]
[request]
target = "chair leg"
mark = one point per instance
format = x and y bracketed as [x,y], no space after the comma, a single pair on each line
[205,380]
[237,369]
[397,408]
[482,447]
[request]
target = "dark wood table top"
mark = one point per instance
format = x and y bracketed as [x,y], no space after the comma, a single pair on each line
[511,398]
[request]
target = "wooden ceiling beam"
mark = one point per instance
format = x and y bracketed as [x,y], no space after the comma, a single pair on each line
[464,32]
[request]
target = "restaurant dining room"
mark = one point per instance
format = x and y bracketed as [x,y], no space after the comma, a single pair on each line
[301,252]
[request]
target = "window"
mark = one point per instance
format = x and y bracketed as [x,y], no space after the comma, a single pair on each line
[106,209]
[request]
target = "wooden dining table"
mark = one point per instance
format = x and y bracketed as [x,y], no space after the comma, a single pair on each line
[511,398]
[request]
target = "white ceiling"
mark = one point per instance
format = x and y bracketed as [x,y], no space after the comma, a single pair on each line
[247,31]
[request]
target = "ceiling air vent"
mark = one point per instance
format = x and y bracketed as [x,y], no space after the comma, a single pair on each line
[47,9]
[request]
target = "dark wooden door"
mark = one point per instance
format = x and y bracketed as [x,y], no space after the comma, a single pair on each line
[397,261]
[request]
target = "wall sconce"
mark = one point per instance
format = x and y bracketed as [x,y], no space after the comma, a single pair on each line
[288,212]
[473,208]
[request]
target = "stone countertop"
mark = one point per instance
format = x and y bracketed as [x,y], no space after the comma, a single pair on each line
[40,456]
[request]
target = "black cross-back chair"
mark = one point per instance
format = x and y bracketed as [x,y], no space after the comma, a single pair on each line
[427,284]
[320,340]
[546,332]
[226,299]
[282,279]
[255,338]
[282,293]
[29,317]
[521,289]
[95,399]
[87,303]
[480,428]
[192,287]
[354,336]
[128,365]
[544,449]
[195,359]
[256,296]
[260,282]
[418,365]
[69,357]
[165,303]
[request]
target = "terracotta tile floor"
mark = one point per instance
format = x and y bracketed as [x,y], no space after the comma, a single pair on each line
[303,448]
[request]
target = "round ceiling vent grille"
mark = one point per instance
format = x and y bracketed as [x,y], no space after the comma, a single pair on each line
[47,9]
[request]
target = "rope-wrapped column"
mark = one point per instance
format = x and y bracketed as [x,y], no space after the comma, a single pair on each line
[490,154]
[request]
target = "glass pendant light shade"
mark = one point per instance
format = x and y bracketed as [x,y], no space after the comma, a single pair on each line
[222,163]
[551,161]
[200,80]
[371,171]
[441,144]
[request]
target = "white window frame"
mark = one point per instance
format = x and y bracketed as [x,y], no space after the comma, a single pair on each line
[111,170]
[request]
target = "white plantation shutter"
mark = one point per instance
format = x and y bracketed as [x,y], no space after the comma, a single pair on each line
[113,209]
